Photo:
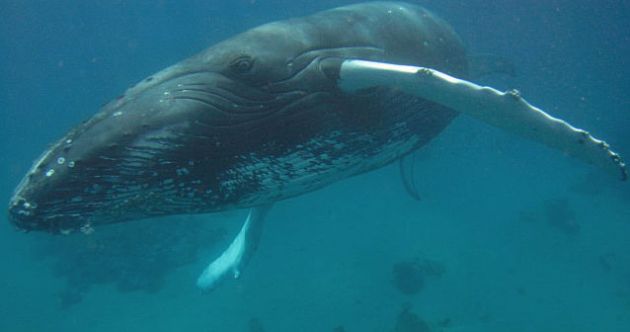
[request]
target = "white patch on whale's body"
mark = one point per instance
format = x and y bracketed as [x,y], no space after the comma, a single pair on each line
[310,166]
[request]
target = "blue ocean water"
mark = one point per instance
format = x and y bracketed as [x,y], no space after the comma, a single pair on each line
[519,237]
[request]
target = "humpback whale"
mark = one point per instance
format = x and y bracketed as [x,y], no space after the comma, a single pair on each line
[272,113]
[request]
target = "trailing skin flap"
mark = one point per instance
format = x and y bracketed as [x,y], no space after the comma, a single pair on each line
[505,110]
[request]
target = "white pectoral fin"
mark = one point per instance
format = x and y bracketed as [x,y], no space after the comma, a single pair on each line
[237,255]
[505,110]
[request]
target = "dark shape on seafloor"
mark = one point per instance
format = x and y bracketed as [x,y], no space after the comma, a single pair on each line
[409,276]
[71,296]
[408,321]
[594,184]
[255,325]
[134,257]
[607,261]
[559,214]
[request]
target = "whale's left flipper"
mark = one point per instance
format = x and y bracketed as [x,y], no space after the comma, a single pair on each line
[505,110]
[238,254]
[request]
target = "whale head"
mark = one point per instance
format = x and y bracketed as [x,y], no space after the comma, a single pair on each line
[165,145]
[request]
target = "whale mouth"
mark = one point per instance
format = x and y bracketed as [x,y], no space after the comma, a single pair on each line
[24,215]
[21,214]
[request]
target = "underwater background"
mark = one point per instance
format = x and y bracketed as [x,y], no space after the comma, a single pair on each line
[508,236]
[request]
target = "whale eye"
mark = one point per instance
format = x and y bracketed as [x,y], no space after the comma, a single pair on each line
[242,65]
